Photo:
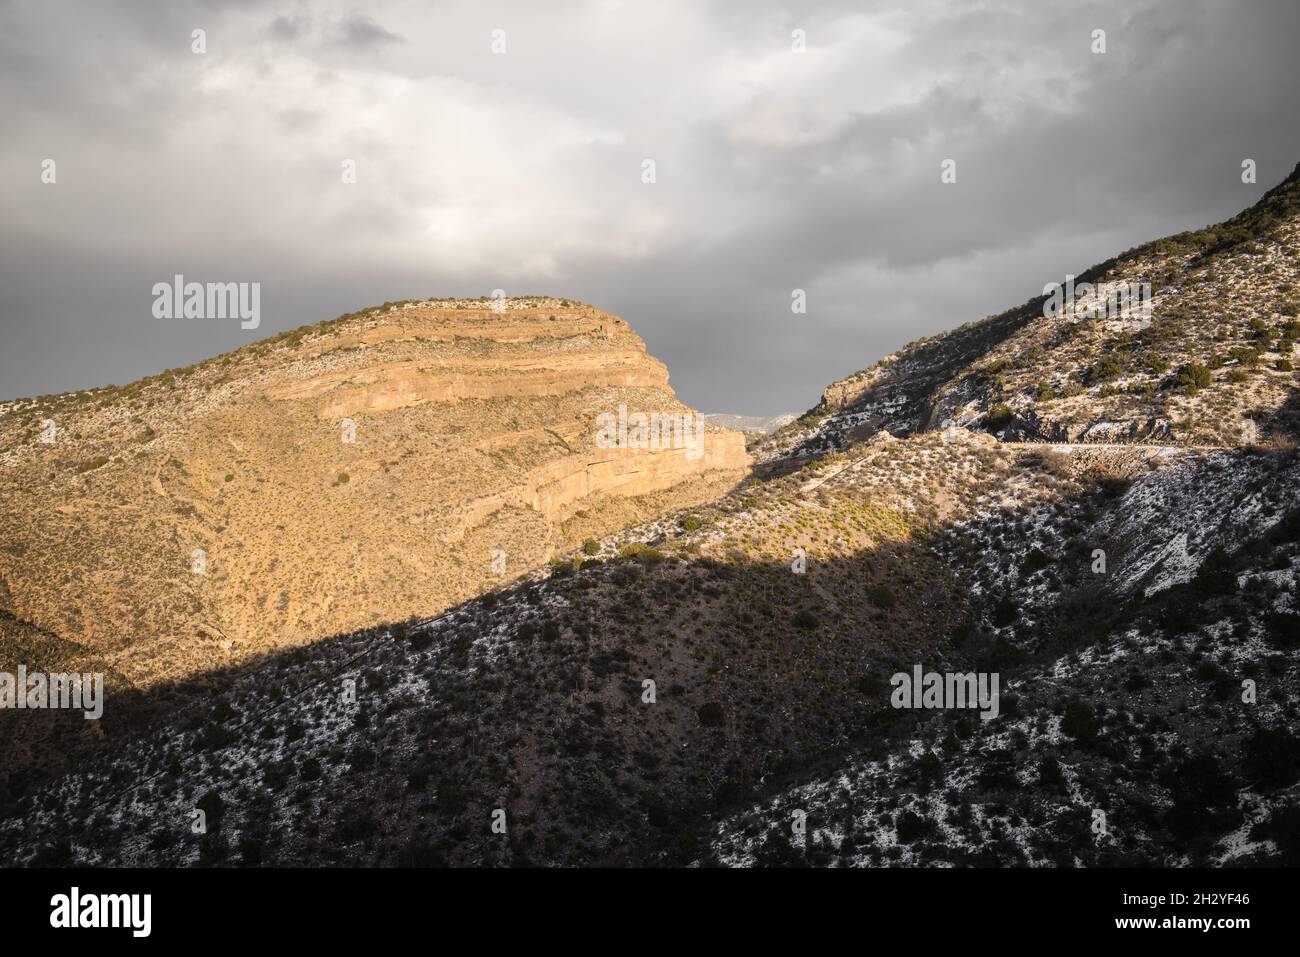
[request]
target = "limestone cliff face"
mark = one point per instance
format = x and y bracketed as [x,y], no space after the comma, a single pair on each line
[387,464]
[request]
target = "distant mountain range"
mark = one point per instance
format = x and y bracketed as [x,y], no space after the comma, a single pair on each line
[750,423]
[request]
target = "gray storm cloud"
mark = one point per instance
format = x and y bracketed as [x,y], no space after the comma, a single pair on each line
[521,170]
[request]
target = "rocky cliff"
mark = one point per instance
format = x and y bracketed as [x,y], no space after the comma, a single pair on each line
[392,462]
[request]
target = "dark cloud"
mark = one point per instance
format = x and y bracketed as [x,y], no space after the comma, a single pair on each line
[288,28]
[476,171]
[359,30]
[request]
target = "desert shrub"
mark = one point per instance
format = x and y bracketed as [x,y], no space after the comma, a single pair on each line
[1079,721]
[563,567]
[929,769]
[452,798]
[212,849]
[213,808]
[1005,612]
[250,850]
[1284,629]
[910,827]
[710,714]
[1272,757]
[690,523]
[640,552]
[591,547]
[1204,796]
[1136,680]
[213,737]
[1104,370]
[1036,560]
[871,683]
[1215,576]
[1192,378]
[882,596]
[1050,775]
[1114,486]
[356,825]
[805,620]
[1209,672]
[420,852]
[998,416]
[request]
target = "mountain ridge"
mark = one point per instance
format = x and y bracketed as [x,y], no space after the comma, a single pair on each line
[678,691]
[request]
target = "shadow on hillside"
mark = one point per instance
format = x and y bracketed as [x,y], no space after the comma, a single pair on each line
[532,699]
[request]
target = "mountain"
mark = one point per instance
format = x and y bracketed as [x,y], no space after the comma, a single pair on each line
[719,684]
[1211,363]
[759,424]
[338,476]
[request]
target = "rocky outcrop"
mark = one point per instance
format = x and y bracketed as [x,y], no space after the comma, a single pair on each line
[388,464]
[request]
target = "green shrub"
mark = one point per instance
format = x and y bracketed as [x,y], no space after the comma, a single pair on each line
[641,552]
[1104,369]
[690,523]
[1193,377]
[998,416]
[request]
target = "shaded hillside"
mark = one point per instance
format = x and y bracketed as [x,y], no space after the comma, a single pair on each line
[952,553]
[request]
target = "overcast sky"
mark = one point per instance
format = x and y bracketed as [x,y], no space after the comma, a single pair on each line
[523,170]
